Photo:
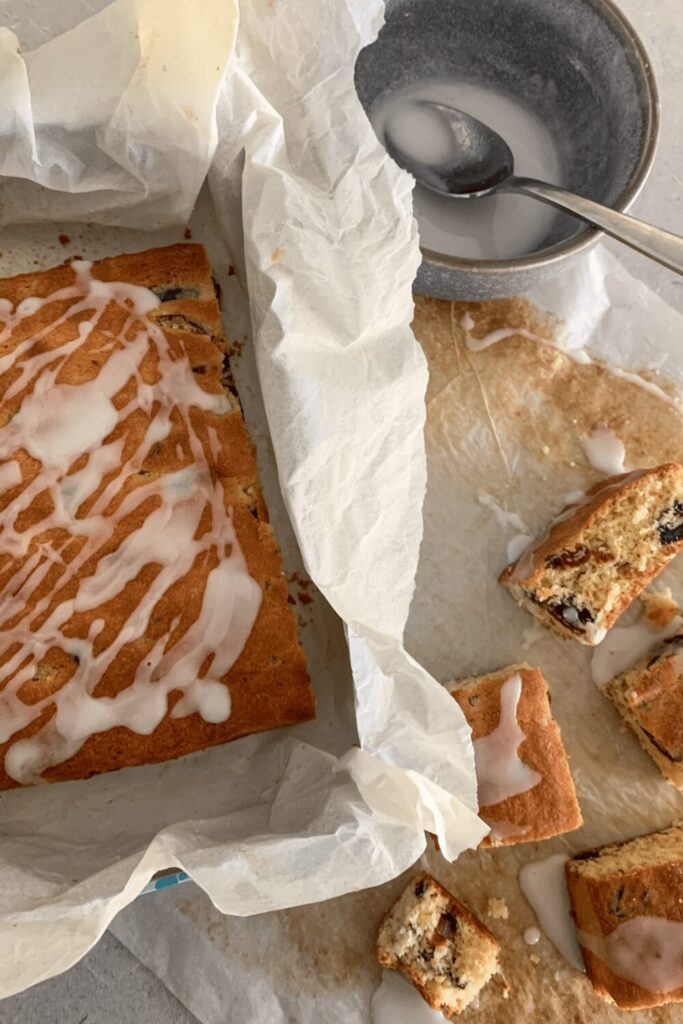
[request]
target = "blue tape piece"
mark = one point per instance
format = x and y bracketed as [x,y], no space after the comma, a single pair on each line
[165,881]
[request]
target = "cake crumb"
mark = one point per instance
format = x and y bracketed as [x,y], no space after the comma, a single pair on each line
[64,239]
[659,608]
[497,908]
[187,233]
[535,958]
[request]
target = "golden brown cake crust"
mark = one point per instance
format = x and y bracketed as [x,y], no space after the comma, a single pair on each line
[268,684]
[638,884]
[551,807]
[650,698]
[578,579]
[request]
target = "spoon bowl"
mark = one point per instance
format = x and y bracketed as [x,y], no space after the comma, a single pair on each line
[477,162]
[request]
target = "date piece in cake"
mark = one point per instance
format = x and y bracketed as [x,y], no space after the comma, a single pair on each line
[440,946]
[526,790]
[143,605]
[650,698]
[627,903]
[600,553]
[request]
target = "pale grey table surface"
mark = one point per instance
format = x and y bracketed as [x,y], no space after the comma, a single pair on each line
[110,986]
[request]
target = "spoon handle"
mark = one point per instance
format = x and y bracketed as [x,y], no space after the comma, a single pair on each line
[662,246]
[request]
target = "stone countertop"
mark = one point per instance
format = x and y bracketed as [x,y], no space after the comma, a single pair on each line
[110,986]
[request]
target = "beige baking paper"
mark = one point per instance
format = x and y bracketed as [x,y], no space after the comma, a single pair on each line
[505,424]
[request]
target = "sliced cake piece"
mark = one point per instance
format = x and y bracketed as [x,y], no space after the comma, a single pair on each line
[447,953]
[650,698]
[601,552]
[526,790]
[627,902]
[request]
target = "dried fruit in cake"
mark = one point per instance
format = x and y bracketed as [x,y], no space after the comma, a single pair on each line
[600,553]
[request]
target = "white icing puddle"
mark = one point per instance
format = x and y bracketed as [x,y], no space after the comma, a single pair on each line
[531,935]
[396,1001]
[543,883]
[180,520]
[647,951]
[500,772]
[604,451]
[624,646]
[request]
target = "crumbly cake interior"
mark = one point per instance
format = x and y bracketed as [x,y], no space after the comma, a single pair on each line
[628,539]
[442,949]
[649,851]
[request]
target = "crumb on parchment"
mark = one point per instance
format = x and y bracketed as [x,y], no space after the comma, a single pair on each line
[497,908]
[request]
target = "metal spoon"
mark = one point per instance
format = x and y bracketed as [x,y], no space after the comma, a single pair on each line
[481,163]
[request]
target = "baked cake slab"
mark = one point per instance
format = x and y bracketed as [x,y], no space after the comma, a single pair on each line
[143,607]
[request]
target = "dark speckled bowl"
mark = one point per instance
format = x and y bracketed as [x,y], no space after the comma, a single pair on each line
[577,64]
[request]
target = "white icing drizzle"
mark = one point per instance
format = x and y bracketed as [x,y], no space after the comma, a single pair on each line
[505,519]
[624,646]
[525,564]
[181,519]
[508,520]
[396,1001]
[647,951]
[577,355]
[604,451]
[544,885]
[532,935]
[500,772]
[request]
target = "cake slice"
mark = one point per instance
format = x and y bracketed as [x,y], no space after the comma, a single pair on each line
[143,609]
[440,946]
[650,698]
[627,902]
[526,790]
[601,552]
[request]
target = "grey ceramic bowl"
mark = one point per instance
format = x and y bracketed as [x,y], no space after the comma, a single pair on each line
[577,64]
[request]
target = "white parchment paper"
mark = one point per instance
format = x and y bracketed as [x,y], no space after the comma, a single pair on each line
[318,221]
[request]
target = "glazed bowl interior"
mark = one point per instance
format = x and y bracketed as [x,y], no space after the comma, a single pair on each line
[576,64]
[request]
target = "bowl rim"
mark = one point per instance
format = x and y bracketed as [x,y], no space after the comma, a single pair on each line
[590,235]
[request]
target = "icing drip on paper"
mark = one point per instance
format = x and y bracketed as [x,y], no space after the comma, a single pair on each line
[544,885]
[395,1001]
[604,451]
[500,772]
[577,355]
[107,522]
[647,951]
